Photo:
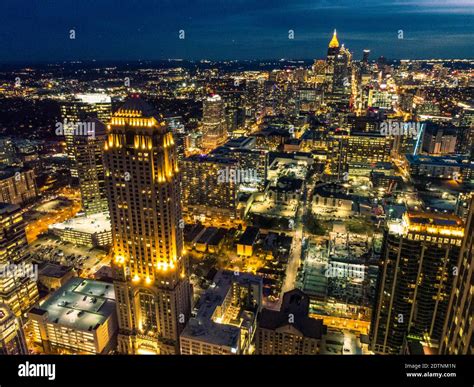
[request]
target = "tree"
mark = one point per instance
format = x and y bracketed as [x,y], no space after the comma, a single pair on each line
[312,224]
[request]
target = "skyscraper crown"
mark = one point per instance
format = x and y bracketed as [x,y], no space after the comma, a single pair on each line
[334,43]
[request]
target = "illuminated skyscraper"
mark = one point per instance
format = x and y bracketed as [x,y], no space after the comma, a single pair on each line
[76,111]
[419,258]
[333,52]
[17,288]
[213,123]
[90,169]
[338,76]
[458,338]
[152,290]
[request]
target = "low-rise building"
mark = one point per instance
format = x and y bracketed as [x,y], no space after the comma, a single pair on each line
[225,317]
[78,318]
[289,331]
[52,276]
[93,230]
[247,241]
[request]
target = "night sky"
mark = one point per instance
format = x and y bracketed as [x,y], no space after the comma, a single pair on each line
[38,30]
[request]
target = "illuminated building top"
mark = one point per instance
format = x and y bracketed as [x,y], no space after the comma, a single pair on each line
[442,225]
[334,43]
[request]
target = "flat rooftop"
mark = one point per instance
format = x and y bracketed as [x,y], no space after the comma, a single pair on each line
[80,304]
[91,224]
[53,270]
[202,327]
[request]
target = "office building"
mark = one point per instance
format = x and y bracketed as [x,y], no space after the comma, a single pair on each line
[17,185]
[79,318]
[150,266]
[210,192]
[75,111]
[90,169]
[368,148]
[333,52]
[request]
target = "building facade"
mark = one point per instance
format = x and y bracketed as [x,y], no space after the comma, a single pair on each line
[17,285]
[12,337]
[458,338]
[419,256]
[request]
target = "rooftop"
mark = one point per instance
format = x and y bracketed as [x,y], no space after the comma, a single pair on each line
[81,304]
[297,303]
[53,270]
[91,224]
[205,326]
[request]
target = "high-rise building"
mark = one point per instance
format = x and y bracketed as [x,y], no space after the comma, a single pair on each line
[368,148]
[418,262]
[289,331]
[17,185]
[333,52]
[214,132]
[210,188]
[338,71]
[17,286]
[458,335]
[252,160]
[152,290]
[90,169]
[12,337]
[76,111]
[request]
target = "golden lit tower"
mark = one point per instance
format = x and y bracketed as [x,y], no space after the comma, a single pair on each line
[153,293]
[333,52]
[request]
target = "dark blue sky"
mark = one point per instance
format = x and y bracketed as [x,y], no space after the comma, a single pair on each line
[38,30]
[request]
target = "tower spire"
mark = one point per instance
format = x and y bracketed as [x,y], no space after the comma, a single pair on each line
[334,43]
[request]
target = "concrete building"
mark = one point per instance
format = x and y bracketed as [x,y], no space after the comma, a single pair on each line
[217,196]
[93,230]
[415,280]
[79,318]
[214,131]
[76,111]
[458,338]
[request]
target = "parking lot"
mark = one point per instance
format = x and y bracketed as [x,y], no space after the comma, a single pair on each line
[85,260]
